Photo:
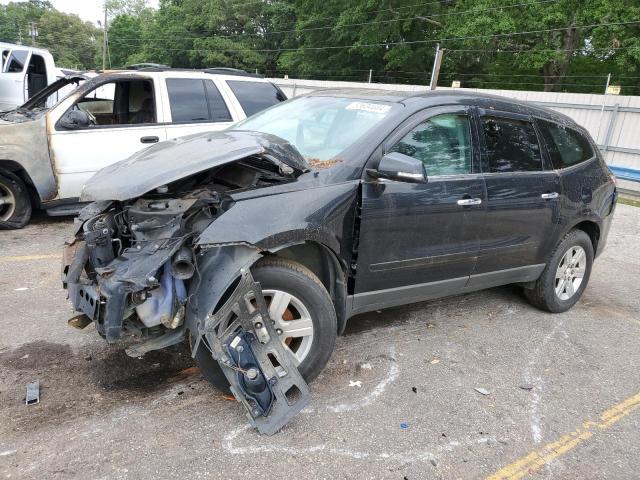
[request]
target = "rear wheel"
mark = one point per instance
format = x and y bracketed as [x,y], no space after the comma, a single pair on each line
[303,315]
[566,275]
[15,205]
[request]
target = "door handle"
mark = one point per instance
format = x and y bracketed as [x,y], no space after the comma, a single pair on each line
[550,195]
[469,201]
[151,139]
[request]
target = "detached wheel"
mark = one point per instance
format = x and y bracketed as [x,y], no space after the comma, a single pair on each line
[15,205]
[303,313]
[566,275]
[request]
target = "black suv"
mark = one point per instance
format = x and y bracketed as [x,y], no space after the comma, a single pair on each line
[335,203]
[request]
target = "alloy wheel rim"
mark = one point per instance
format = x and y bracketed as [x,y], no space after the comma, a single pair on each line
[570,272]
[292,321]
[7,203]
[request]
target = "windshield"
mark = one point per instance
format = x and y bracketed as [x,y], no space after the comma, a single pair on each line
[319,127]
[55,92]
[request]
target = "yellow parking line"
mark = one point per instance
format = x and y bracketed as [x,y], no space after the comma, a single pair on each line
[535,460]
[28,258]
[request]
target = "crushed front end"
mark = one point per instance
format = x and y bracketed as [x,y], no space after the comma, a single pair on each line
[127,266]
[135,266]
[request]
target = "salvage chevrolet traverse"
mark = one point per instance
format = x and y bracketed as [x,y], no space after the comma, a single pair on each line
[258,243]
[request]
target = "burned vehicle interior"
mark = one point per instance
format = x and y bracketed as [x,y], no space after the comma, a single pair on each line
[122,102]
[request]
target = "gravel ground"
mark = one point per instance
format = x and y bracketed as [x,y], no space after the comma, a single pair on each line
[562,390]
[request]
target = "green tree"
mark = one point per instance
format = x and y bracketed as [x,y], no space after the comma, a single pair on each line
[557,43]
[16,17]
[125,38]
[71,41]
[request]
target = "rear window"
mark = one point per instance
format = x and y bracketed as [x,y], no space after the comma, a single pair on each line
[255,96]
[512,145]
[566,146]
[196,100]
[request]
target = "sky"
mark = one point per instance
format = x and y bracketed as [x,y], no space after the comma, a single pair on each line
[88,10]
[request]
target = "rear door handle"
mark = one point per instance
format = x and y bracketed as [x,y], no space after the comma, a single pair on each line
[149,139]
[550,195]
[469,201]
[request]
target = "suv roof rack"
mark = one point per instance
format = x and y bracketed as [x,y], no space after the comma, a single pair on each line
[155,67]
[232,71]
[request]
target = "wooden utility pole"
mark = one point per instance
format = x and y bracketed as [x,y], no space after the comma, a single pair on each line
[435,72]
[104,39]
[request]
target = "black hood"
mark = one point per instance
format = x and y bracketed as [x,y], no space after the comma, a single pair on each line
[172,160]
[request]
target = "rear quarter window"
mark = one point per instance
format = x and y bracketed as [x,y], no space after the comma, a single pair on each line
[566,146]
[255,96]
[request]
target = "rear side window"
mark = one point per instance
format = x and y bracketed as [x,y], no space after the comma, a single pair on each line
[512,145]
[196,100]
[442,143]
[255,96]
[566,146]
[16,61]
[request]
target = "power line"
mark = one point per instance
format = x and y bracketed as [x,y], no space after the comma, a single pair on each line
[417,42]
[360,24]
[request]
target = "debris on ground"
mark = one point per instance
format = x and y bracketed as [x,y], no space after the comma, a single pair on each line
[482,391]
[430,325]
[435,361]
[357,383]
[33,393]
[414,389]
[404,425]
[526,387]
[366,366]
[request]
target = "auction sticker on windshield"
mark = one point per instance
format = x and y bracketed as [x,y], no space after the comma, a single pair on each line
[368,107]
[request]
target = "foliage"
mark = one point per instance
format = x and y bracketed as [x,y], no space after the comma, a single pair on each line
[71,41]
[560,45]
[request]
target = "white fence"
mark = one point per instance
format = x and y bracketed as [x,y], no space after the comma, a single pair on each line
[616,127]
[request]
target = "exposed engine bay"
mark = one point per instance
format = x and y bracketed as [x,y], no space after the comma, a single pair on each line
[132,266]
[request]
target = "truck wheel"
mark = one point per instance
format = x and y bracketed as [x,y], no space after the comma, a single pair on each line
[15,205]
[303,312]
[566,275]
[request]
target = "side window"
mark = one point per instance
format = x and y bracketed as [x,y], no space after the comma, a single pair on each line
[442,143]
[188,100]
[16,61]
[512,145]
[566,146]
[255,96]
[196,100]
[100,102]
[218,111]
[120,103]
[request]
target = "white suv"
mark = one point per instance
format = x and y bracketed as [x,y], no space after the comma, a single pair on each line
[48,153]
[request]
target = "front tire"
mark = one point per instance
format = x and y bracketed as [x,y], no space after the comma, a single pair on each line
[566,275]
[303,312]
[15,205]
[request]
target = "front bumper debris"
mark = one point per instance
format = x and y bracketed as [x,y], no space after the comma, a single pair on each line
[262,374]
[104,300]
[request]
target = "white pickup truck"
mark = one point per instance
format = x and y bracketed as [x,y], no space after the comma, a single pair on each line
[48,153]
[24,71]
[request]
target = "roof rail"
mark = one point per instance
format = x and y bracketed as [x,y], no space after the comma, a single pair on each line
[156,67]
[232,71]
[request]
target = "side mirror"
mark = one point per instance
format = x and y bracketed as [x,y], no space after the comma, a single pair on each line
[400,167]
[74,120]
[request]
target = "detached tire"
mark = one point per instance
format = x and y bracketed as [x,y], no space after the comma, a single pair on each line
[287,282]
[15,204]
[566,275]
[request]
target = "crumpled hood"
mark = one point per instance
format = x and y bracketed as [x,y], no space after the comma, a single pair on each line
[172,160]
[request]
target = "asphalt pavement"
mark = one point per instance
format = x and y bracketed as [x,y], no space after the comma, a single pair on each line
[474,386]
